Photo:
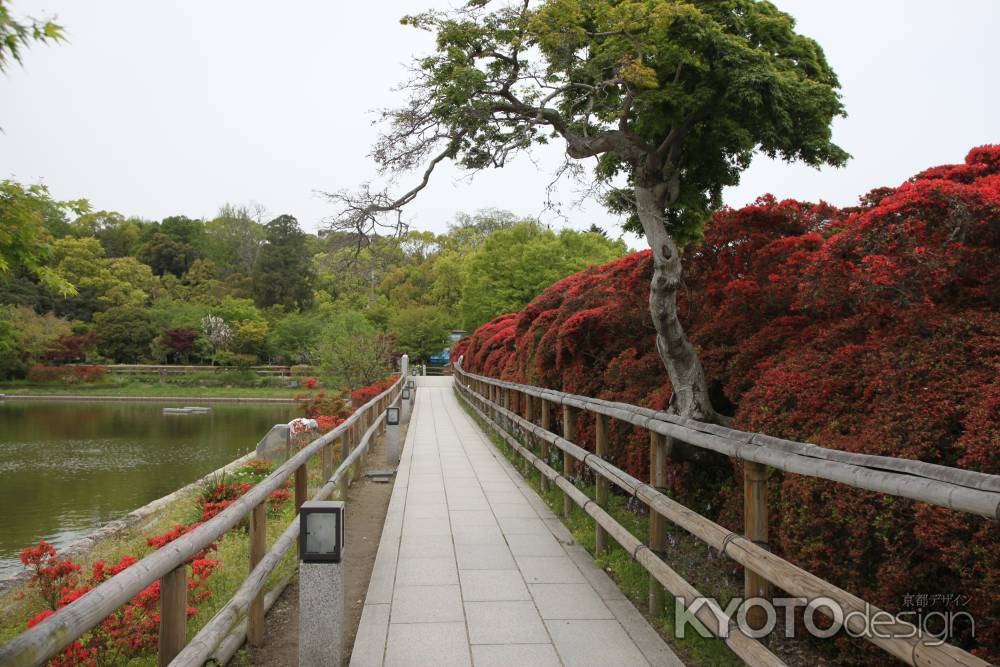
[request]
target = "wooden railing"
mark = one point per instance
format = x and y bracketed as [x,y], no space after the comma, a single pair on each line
[244,612]
[522,416]
[174,369]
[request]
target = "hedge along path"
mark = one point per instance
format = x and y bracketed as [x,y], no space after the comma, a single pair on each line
[904,641]
[38,644]
[961,490]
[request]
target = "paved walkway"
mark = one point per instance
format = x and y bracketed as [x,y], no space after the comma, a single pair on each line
[473,568]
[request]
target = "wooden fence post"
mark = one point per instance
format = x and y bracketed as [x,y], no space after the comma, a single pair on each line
[546,423]
[659,454]
[755,528]
[328,462]
[301,485]
[258,546]
[173,615]
[569,433]
[601,492]
[527,407]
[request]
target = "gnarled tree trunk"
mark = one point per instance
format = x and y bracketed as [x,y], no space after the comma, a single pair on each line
[690,390]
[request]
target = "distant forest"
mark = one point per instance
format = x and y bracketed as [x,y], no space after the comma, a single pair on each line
[245,287]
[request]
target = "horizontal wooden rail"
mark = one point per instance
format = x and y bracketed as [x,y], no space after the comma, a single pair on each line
[960,490]
[903,641]
[710,615]
[38,644]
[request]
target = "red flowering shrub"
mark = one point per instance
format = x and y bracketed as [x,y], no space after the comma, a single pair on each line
[327,423]
[309,383]
[872,329]
[68,374]
[364,394]
[322,403]
[131,631]
[220,495]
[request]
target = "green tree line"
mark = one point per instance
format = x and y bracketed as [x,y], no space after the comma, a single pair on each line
[242,288]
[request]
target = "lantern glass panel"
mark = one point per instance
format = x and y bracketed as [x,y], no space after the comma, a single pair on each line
[321,533]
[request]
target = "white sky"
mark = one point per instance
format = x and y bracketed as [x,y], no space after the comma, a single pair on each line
[156,109]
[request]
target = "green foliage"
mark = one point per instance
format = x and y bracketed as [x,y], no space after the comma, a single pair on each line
[121,281]
[250,338]
[125,333]
[25,336]
[421,331]
[352,351]
[672,96]
[15,34]
[234,238]
[25,242]
[283,274]
[165,255]
[295,336]
[514,265]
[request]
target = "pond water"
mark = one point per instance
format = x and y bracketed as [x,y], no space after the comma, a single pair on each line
[68,467]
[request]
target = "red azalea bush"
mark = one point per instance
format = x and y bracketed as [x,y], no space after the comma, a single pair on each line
[131,631]
[870,329]
[69,374]
[323,403]
[364,394]
[309,383]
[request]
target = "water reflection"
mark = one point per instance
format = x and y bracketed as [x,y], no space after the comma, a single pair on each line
[66,468]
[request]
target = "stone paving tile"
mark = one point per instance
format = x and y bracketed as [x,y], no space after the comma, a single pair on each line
[495,585]
[530,544]
[369,644]
[568,601]
[427,645]
[593,644]
[510,655]
[426,572]
[435,511]
[549,570]
[477,535]
[435,526]
[519,510]
[472,518]
[426,546]
[426,604]
[514,525]
[504,623]
[484,557]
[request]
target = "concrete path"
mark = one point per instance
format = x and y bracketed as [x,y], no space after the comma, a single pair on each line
[473,568]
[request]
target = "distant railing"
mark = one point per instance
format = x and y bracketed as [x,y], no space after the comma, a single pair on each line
[522,415]
[223,634]
[171,369]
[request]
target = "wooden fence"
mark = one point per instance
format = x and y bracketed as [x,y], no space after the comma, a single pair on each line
[523,416]
[243,615]
[172,369]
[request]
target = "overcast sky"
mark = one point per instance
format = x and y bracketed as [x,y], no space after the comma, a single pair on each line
[163,108]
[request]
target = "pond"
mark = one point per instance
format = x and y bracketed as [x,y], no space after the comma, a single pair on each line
[68,467]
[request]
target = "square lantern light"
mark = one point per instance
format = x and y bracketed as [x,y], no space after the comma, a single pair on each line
[410,384]
[406,394]
[392,416]
[321,531]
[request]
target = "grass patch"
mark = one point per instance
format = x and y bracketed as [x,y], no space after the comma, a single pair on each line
[691,558]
